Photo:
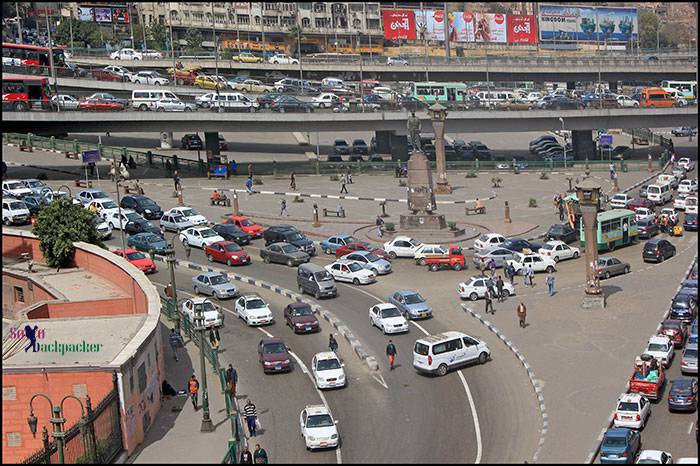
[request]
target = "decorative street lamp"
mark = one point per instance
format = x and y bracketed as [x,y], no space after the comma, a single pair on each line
[207,425]
[588,193]
[170,259]
[438,114]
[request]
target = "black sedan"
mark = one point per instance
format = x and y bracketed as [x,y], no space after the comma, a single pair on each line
[288,103]
[143,205]
[519,244]
[230,232]
[563,103]
[265,100]
[658,250]
[192,141]
[561,232]
[411,104]
[684,308]
[340,147]
[691,222]
[646,228]
[359,146]
[141,226]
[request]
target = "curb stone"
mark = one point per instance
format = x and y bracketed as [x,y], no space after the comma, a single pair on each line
[530,373]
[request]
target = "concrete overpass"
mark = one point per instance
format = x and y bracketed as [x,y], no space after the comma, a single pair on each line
[617,68]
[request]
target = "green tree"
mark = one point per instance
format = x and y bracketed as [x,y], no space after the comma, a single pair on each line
[648,24]
[194,40]
[156,36]
[499,8]
[84,32]
[292,38]
[59,225]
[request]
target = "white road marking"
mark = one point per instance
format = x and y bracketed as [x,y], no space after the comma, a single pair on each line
[420,328]
[363,292]
[378,377]
[474,416]
[690,428]
[266,332]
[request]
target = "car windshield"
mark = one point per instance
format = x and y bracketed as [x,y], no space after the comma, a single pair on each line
[627,406]
[294,236]
[690,353]
[206,305]
[327,364]
[17,205]
[133,256]
[154,239]
[648,461]
[289,249]
[189,212]
[208,233]
[133,216]
[372,258]
[247,223]
[319,420]
[390,312]
[414,298]
[232,247]
[682,388]
[657,347]
[99,195]
[16,185]
[179,219]
[219,279]
[302,311]
[109,205]
[274,348]
[146,203]
[484,238]
[255,304]
[34,183]
[615,441]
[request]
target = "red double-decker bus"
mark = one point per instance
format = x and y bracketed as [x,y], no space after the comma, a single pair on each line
[30,57]
[22,94]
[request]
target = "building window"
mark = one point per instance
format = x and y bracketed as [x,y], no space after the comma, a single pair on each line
[19,295]
[323,22]
[243,19]
[319,7]
[355,6]
[372,23]
[14,439]
[305,22]
[143,380]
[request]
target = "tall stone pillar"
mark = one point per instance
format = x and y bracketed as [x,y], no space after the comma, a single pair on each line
[588,193]
[582,144]
[438,114]
[166,140]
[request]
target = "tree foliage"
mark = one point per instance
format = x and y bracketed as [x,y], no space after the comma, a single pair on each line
[59,225]
[291,40]
[648,23]
[499,8]
[84,33]
[194,40]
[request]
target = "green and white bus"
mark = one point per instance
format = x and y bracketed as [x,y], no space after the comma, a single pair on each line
[688,89]
[616,227]
[432,92]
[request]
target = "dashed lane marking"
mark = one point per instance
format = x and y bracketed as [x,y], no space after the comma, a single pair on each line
[266,332]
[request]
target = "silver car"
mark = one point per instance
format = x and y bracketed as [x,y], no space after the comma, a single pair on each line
[173,105]
[65,102]
[214,284]
[499,256]
[609,266]
[689,362]
[370,261]
[175,222]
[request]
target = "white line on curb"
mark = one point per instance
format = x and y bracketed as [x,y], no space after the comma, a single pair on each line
[474,415]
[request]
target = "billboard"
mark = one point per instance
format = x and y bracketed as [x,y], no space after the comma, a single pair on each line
[430,25]
[399,24]
[120,15]
[103,15]
[461,26]
[86,13]
[490,27]
[522,29]
[578,24]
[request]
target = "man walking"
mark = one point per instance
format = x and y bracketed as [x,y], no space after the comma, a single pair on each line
[379,223]
[231,380]
[260,455]
[531,276]
[343,188]
[246,456]
[488,300]
[249,185]
[391,353]
[561,211]
[250,415]
[193,386]
[499,287]
[293,182]
[283,208]
[550,283]
[175,342]
[521,311]
[492,267]
[332,343]
[188,250]
[214,338]
[176,181]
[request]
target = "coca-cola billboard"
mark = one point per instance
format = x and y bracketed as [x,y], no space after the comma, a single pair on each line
[522,29]
[399,24]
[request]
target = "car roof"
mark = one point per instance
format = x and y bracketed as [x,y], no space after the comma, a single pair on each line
[326,355]
[555,242]
[266,340]
[346,261]
[248,296]
[404,238]
[432,339]
[199,300]
[316,409]
[383,306]
[212,274]
[659,339]
[405,292]
[199,228]
[630,397]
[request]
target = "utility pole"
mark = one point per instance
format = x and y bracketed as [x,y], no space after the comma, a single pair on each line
[446,20]
[362,94]
[142,22]
[119,205]
[301,71]
[172,46]
[216,58]
[19,22]
[207,425]
[52,69]
[131,26]
[70,28]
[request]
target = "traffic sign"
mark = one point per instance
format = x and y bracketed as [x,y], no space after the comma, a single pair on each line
[93,156]
[605,140]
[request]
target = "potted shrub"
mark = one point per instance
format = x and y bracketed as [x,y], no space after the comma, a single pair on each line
[532,202]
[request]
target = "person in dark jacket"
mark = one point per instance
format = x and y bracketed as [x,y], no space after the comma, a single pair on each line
[260,455]
[246,456]
[332,343]
[391,353]
[231,380]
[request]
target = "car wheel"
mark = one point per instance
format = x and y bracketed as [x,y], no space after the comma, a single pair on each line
[611,246]
[317,294]
[196,290]
[483,357]
[228,262]
[143,107]
[421,262]
[301,289]
[383,329]
[157,83]
[111,225]
[607,275]
[290,263]
[473,296]
[442,370]
[457,267]
[210,258]
[576,255]
[433,267]
[627,269]
[282,110]
[188,109]
[185,243]
[392,255]
[327,251]
[307,109]
[160,109]
[267,259]
[549,269]
[355,281]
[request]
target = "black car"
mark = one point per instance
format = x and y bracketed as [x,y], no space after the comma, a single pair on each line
[192,141]
[412,104]
[470,102]
[231,232]
[536,142]
[143,205]
[429,151]
[266,99]
[288,103]
[658,250]
[684,307]
[141,226]
[563,103]
[289,234]
[341,147]
[359,146]
[518,244]
[479,150]
[379,100]
[561,232]
[690,223]
[646,228]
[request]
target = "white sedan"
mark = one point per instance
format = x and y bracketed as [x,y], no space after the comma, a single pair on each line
[632,411]
[254,310]
[537,262]
[204,100]
[190,214]
[401,246]
[689,204]
[654,457]
[558,250]
[670,213]
[65,102]
[688,186]
[661,348]
[488,242]
[213,317]
[325,100]
[281,59]
[149,77]
[642,213]
[327,370]
[626,101]
[128,215]
[387,318]
[200,237]
[318,427]
[475,288]
[351,271]
[252,85]
[173,105]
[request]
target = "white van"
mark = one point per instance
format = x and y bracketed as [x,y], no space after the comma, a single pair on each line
[491,98]
[436,354]
[146,99]
[332,82]
[14,212]
[659,193]
[232,102]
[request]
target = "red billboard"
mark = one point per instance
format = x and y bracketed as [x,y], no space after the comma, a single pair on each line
[522,29]
[399,24]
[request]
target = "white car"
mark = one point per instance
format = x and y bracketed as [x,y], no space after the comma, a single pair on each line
[126,54]
[401,246]
[661,348]
[686,163]
[282,59]
[102,227]
[626,101]
[387,318]
[15,212]
[173,105]
[537,262]
[318,427]
[396,61]
[50,196]
[642,213]
[151,54]
[632,411]
[204,100]
[654,457]
[91,194]
[620,201]
[16,188]
[199,237]
[428,250]
[150,77]
[327,370]
[671,213]
[254,310]
[127,215]
[688,186]
[119,71]
[65,102]
[691,205]
[252,85]
[688,460]
[213,317]
[475,288]
[488,242]
[103,206]
[532,97]
[558,250]
[351,271]
[190,214]
[386,93]
[325,100]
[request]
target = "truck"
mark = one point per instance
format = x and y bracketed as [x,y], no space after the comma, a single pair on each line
[184,76]
[454,259]
[639,384]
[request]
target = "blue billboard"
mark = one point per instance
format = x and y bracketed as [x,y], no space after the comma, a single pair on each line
[587,24]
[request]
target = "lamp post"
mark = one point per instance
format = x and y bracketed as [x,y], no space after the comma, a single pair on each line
[119,206]
[170,259]
[438,114]
[362,94]
[57,421]
[207,425]
[588,193]
[19,23]
[561,120]
[216,60]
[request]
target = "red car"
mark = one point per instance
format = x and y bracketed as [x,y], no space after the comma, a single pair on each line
[361,246]
[675,330]
[246,224]
[101,105]
[228,252]
[107,75]
[139,259]
[638,202]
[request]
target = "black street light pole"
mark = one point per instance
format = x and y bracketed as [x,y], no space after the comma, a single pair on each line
[207,425]
[170,259]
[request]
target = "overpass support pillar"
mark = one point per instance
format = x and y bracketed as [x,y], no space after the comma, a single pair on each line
[582,144]
[166,140]
[613,86]
[570,85]
[383,141]
[399,147]
[211,143]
